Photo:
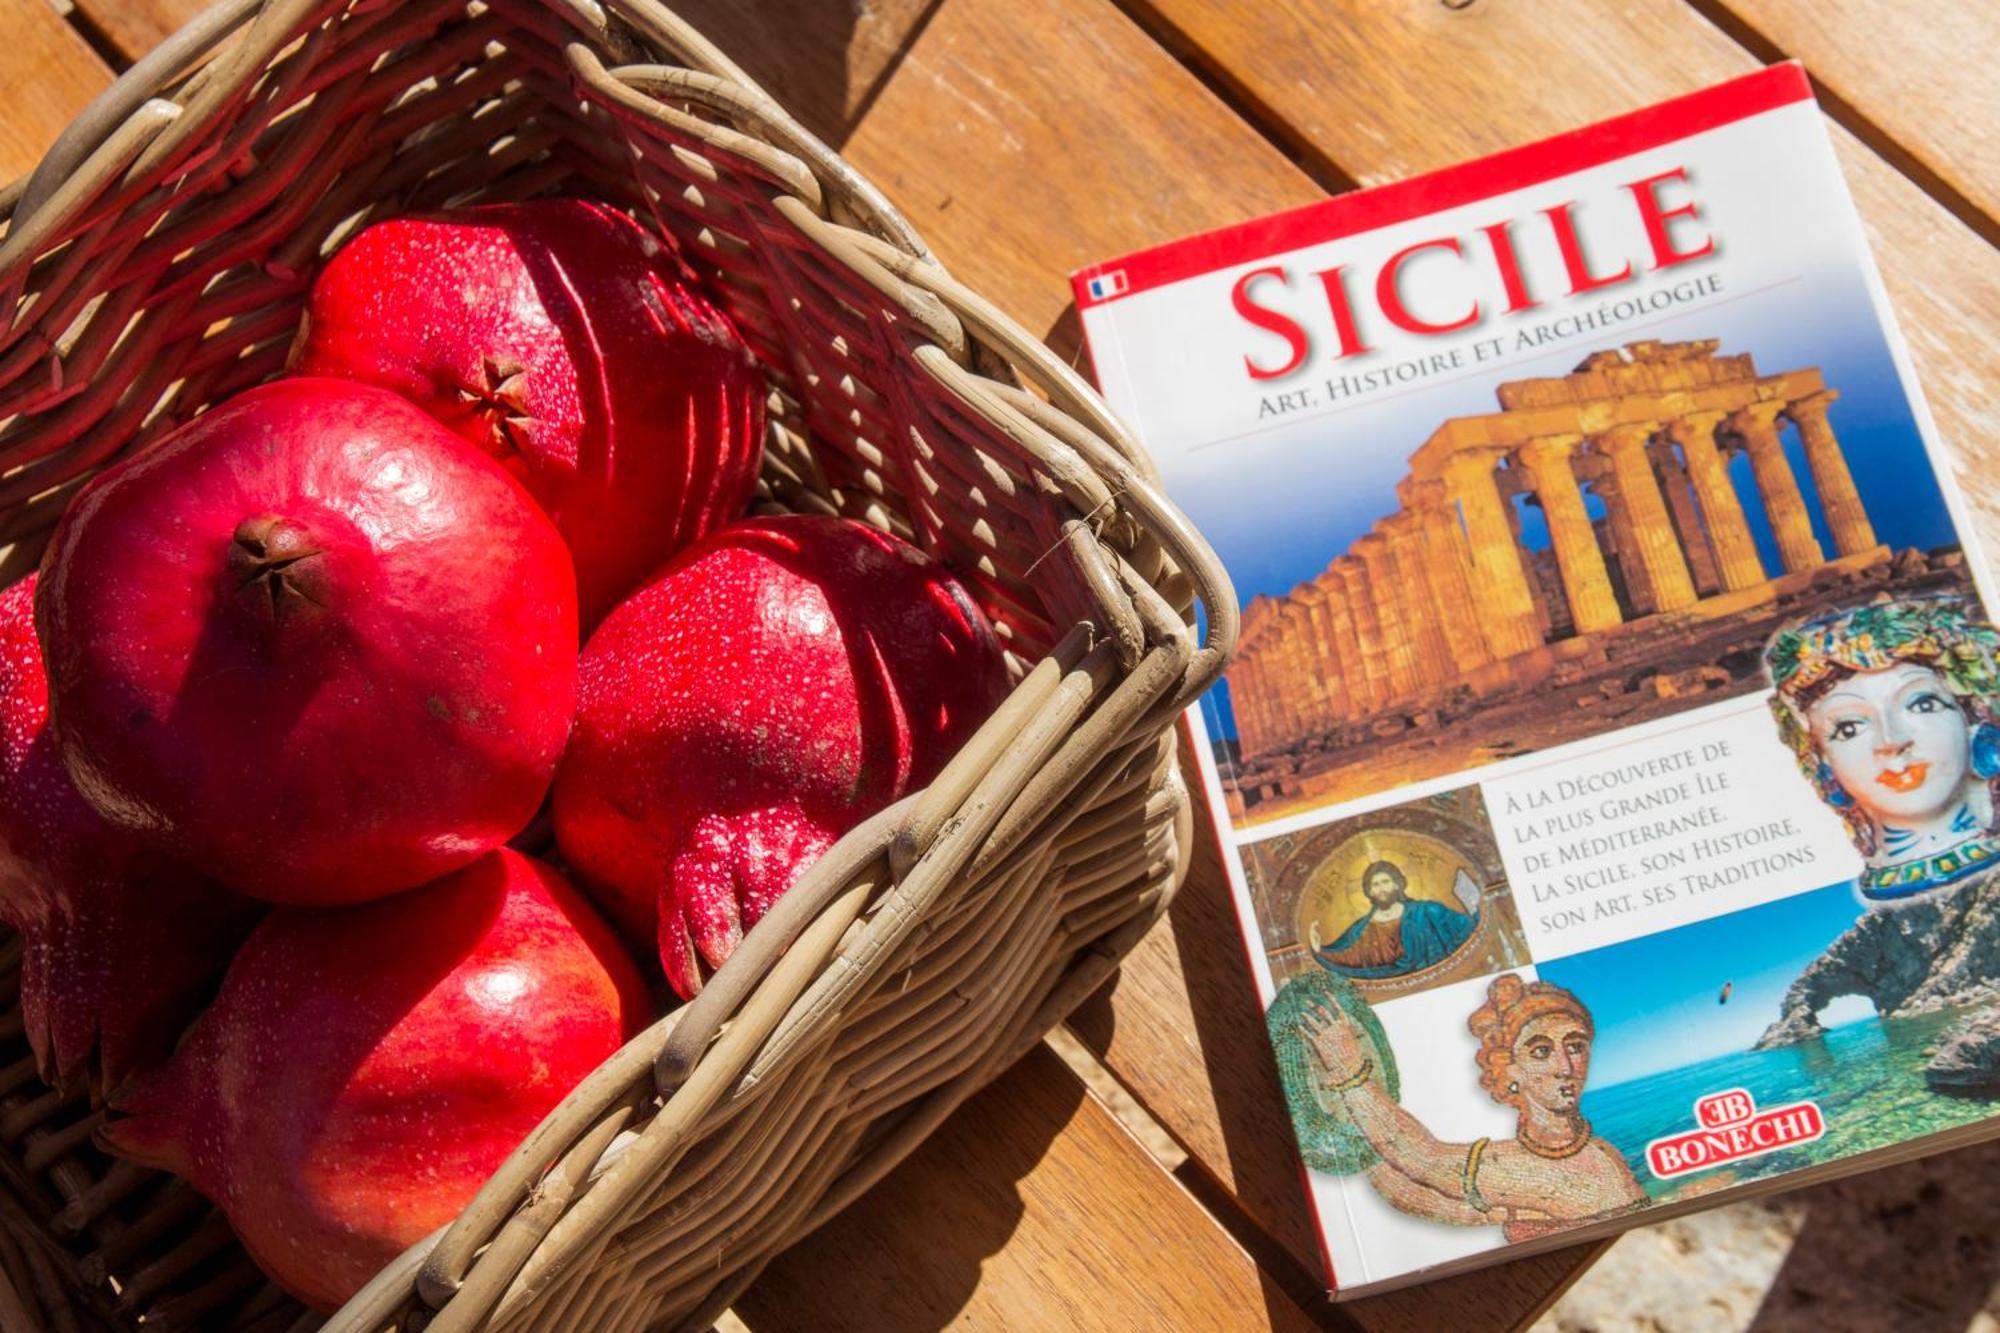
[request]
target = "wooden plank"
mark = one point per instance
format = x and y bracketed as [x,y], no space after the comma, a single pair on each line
[1901,66]
[47,74]
[1029,1208]
[1181,1028]
[1025,139]
[134,27]
[1403,86]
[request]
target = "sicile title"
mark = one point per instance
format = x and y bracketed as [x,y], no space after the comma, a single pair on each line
[1667,212]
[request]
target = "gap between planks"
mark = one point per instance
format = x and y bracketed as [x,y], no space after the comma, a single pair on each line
[96,38]
[1855,121]
[1242,101]
[1313,159]
[1308,1289]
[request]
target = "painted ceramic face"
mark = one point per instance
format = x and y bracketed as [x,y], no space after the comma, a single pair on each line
[1897,743]
[1551,1060]
[1382,889]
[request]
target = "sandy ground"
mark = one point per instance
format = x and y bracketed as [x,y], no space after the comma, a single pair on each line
[1912,1248]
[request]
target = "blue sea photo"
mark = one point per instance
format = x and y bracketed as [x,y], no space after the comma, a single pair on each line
[1665,1036]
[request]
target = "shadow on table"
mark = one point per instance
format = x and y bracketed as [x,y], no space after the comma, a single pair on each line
[946,1209]
[1258,1193]
[826,62]
[1254,1183]
[1011,1215]
[1909,1247]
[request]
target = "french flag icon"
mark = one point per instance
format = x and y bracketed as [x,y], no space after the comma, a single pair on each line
[1107,285]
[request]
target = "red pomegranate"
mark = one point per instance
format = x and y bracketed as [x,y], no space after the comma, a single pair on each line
[365,1069]
[119,946]
[768,690]
[563,338]
[312,643]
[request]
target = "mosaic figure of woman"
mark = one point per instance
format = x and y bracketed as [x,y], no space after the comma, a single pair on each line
[1890,709]
[1534,1057]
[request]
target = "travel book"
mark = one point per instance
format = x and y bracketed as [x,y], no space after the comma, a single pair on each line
[1606,775]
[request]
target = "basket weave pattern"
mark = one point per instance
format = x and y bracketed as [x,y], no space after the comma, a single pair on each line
[156,263]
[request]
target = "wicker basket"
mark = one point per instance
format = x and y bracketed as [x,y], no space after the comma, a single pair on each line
[155,263]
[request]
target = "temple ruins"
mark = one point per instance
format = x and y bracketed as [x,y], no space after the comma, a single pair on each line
[1441,602]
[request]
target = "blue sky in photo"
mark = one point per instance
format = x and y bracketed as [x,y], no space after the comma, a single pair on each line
[1277,510]
[1653,999]
[1279,506]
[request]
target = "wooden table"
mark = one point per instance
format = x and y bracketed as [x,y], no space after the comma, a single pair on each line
[1027,137]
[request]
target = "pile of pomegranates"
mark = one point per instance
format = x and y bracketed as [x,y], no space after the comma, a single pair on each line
[292,682]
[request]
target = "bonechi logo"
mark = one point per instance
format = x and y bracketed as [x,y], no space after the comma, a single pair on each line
[1731,1128]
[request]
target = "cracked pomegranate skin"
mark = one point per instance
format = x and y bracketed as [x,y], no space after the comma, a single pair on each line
[768,690]
[365,1069]
[565,339]
[119,945]
[311,643]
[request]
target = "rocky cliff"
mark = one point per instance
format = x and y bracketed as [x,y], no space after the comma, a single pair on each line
[1935,952]
[1967,1064]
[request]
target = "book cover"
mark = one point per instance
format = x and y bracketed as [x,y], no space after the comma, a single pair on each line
[1606,777]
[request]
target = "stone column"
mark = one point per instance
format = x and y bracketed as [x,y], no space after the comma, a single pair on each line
[1658,550]
[1256,719]
[1512,483]
[1282,662]
[1244,699]
[1337,705]
[1367,629]
[1300,695]
[1678,492]
[1251,727]
[1326,691]
[1271,693]
[1615,537]
[1587,584]
[1846,519]
[1450,583]
[1499,583]
[1756,425]
[1347,645]
[1429,641]
[1722,513]
[1392,623]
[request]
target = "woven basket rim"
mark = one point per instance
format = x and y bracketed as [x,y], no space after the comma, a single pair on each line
[131,119]
[166,100]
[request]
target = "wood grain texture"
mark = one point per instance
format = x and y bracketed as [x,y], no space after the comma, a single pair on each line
[135,27]
[1031,1209]
[1076,114]
[1911,68]
[1396,87]
[47,74]
[1024,138]
[983,120]
[1181,1028]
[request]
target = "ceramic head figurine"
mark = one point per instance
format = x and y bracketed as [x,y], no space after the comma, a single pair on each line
[1890,709]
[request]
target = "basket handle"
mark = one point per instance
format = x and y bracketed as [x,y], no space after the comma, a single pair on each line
[761,948]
